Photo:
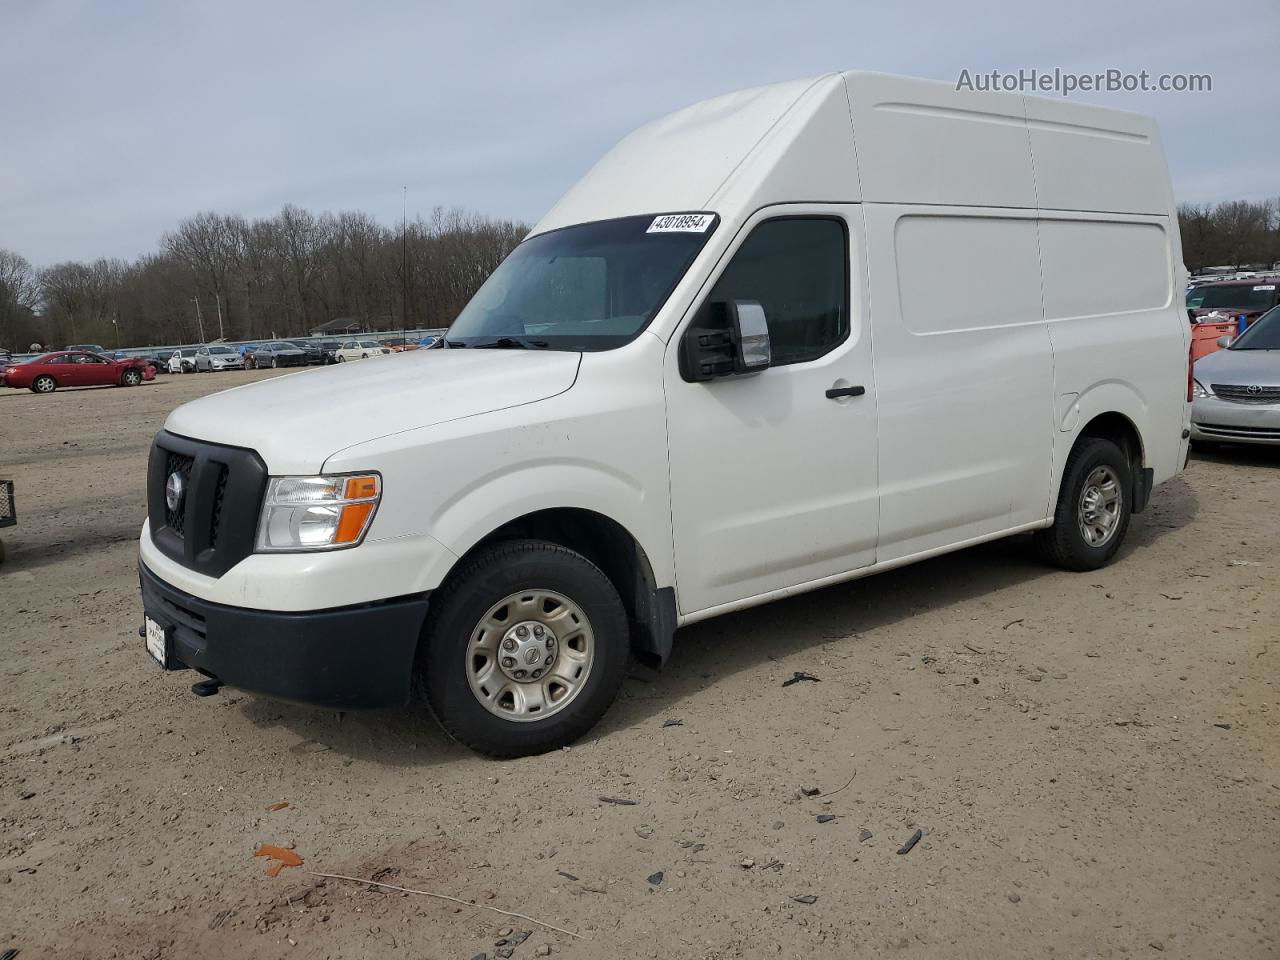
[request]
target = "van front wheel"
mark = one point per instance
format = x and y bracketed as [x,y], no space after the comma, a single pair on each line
[1092,515]
[525,649]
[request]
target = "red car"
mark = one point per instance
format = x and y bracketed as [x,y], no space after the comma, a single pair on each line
[76,368]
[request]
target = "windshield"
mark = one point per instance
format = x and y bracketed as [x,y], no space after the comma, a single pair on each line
[1263,333]
[1238,296]
[221,350]
[594,286]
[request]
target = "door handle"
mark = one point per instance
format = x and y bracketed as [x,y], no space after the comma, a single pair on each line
[835,393]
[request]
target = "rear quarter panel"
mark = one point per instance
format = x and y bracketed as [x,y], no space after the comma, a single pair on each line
[1120,338]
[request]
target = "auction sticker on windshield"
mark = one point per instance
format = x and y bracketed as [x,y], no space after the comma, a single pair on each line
[681,223]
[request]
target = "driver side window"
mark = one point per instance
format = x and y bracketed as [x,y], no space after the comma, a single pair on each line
[797,268]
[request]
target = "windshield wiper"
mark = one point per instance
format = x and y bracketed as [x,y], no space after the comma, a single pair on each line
[510,343]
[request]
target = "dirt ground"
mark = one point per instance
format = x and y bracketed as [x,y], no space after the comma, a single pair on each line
[1093,759]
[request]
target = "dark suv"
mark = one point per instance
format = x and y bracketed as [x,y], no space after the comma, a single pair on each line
[1228,299]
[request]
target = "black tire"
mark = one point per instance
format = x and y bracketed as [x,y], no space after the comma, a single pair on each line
[1064,544]
[341,359]
[130,378]
[44,384]
[456,610]
[274,363]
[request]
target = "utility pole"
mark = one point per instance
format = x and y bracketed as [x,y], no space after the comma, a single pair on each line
[404,266]
[199,319]
[221,334]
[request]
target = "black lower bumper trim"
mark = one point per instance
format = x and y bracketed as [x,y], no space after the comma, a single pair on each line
[347,658]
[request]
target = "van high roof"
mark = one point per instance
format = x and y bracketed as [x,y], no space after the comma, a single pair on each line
[867,137]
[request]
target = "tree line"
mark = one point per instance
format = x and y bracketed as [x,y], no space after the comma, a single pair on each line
[225,275]
[285,275]
[1237,233]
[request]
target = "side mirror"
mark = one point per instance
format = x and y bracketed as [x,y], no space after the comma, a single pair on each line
[734,340]
[1225,341]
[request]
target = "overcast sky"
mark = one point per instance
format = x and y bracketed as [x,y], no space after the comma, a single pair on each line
[120,118]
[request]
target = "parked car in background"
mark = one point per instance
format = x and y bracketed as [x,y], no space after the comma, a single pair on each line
[157,366]
[182,361]
[312,348]
[1237,389]
[87,347]
[327,348]
[75,368]
[1229,299]
[359,350]
[218,356]
[278,353]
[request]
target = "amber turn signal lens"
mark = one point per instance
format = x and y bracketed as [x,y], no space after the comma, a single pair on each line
[361,488]
[351,523]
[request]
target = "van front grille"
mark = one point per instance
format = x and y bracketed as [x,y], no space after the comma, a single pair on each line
[175,517]
[212,525]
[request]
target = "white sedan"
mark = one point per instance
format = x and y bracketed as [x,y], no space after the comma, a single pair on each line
[359,350]
[182,361]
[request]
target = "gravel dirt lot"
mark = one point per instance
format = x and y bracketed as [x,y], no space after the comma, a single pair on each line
[1093,759]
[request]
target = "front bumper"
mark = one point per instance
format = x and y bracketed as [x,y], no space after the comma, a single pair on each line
[345,658]
[1224,421]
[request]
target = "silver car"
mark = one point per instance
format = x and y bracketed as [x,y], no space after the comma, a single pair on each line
[218,357]
[1237,389]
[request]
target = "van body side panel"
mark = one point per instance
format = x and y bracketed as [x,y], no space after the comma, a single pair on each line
[1117,329]
[964,372]
[1091,158]
[919,141]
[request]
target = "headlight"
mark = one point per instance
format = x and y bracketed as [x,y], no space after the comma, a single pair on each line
[1200,391]
[317,513]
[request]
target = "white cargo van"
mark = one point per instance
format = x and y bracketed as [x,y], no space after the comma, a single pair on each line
[777,340]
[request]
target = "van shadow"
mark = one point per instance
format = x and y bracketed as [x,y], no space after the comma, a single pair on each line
[709,652]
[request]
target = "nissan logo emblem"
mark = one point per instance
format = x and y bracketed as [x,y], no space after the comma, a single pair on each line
[174,488]
[1253,389]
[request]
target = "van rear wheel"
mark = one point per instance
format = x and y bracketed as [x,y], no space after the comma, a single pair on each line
[1092,516]
[525,649]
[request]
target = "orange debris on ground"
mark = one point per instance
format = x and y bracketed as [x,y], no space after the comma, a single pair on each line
[287,858]
[273,807]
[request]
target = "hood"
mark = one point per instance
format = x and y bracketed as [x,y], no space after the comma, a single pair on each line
[1244,367]
[297,421]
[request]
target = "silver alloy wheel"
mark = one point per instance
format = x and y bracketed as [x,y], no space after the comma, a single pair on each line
[530,655]
[1099,508]
[45,384]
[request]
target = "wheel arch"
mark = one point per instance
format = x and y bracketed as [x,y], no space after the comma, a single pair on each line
[651,609]
[1121,430]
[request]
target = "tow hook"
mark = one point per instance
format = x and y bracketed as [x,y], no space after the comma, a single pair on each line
[206,688]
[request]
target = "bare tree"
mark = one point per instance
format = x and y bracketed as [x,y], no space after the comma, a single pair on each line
[19,296]
[281,275]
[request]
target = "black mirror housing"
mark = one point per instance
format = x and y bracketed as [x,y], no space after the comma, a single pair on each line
[733,340]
